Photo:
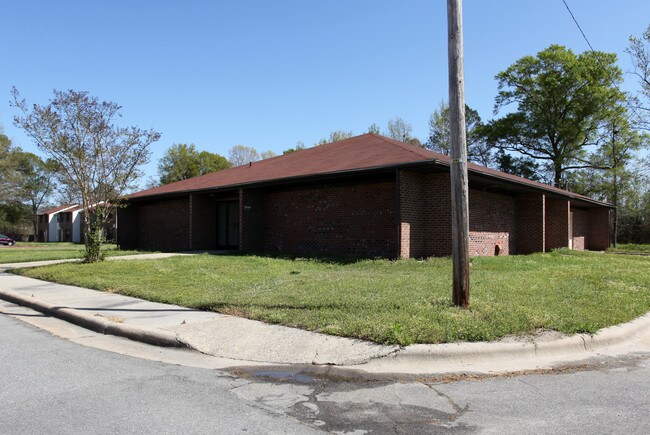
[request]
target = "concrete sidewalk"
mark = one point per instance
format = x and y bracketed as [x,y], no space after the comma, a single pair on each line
[171,325]
[151,256]
[243,340]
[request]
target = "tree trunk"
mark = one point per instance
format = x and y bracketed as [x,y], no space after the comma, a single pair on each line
[35,226]
[93,235]
[557,181]
[615,201]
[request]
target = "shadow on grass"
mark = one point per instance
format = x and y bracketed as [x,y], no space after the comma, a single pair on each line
[322,258]
[219,306]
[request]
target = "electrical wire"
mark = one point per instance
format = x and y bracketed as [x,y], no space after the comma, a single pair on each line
[577,24]
[627,103]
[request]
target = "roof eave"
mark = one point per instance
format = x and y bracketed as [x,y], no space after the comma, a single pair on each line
[525,184]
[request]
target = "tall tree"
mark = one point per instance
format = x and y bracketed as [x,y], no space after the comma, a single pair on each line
[99,160]
[300,145]
[615,157]
[242,155]
[182,161]
[478,150]
[561,100]
[336,136]
[374,129]
[639,49]
[267,154]
[8,171]
[399,129]
[521,166]
[36,183]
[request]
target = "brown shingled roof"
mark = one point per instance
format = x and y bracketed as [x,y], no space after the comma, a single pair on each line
[57,209]
[363,152]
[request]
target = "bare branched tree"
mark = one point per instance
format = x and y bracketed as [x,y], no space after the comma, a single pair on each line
[242,155]
[99,161]
[400,130]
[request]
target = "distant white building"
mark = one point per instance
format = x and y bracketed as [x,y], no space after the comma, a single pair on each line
[64,224]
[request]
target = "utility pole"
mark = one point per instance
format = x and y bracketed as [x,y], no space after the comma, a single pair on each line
[459,190]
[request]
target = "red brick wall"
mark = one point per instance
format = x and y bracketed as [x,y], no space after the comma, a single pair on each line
[438,204]
[530,228]
[413,220]
[425,218]
[164,225]
[598,230]
[580,228]
[425,215]
[491,223]
[203,210]
[349,219]
[557,223]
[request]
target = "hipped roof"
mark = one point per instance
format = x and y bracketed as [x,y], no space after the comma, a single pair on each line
[366,152]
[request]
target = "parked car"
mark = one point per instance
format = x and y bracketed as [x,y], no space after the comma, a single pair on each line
[6,240]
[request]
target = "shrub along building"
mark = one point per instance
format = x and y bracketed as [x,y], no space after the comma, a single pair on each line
[367,196]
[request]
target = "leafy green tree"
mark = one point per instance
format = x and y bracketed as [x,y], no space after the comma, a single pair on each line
[99,160]
[521,166]
[300,145]
[14,218]
[374,128]
[336,136]
[561,100]
[36,182]
[182,161]
[242,155]
[8,170]
[615,160]
[267,154]
[478,150]
[639,49]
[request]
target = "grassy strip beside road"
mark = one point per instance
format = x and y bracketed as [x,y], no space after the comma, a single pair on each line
[404,301]
[23,252]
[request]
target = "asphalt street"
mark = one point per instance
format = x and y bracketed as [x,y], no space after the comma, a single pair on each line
[54,385]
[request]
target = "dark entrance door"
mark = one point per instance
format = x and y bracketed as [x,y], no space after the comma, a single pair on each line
[228,225]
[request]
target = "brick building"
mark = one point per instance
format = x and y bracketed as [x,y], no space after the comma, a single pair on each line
[366,196]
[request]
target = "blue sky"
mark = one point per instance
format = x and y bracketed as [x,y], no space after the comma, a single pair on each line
[268,74]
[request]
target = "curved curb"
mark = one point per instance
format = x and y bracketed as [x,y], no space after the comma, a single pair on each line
[157,337]
[575,345]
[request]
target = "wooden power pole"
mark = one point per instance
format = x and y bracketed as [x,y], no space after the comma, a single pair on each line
[459,190]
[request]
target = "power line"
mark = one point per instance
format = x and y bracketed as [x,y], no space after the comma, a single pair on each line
[626,102]
[578,24]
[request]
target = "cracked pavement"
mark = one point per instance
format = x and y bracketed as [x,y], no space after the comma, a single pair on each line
[110,384]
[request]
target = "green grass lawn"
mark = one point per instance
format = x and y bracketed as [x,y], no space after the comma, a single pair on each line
[405,301]
[631,248]
[32,251]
